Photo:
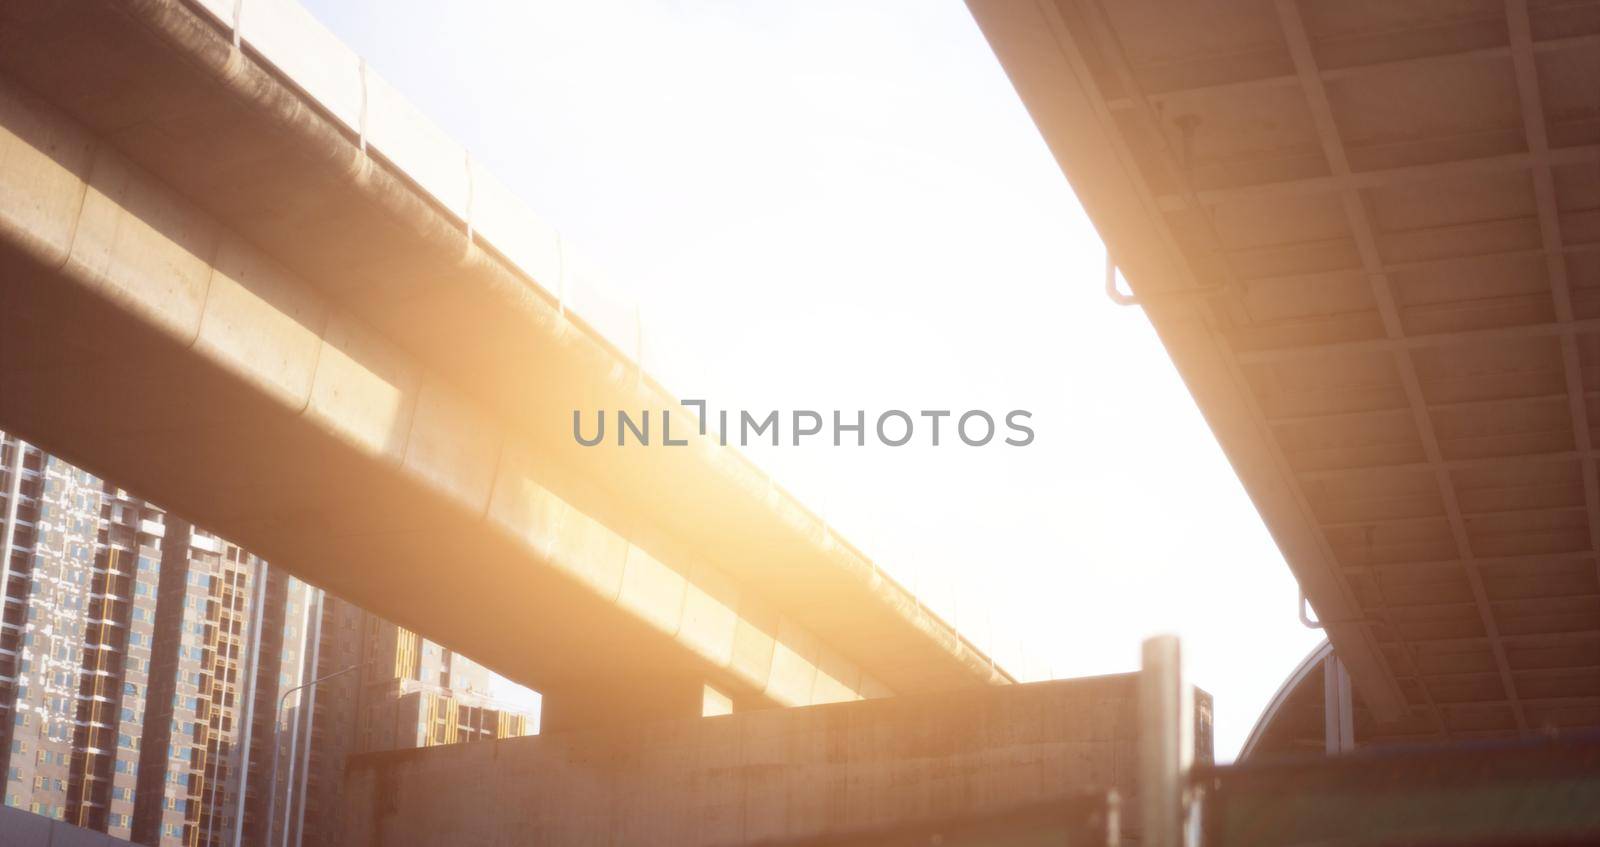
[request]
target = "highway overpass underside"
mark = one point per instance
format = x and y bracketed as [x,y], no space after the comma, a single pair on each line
[213,294]
[1368,233]
[227,389]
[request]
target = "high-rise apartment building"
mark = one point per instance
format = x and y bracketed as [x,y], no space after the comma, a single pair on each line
[51,520]
[114,677]
[143,662]
[398,690]
[190,747]
[419,694]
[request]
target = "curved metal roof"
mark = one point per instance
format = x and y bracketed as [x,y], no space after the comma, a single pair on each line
[1288,722]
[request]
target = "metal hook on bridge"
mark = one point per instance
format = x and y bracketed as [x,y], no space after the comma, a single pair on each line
[1112,291]
[1305,618]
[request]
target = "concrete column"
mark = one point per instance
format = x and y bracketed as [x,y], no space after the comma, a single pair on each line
[1338,712]
[1166,743]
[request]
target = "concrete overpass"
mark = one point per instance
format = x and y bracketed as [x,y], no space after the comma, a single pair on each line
[242,276]
[1368,233]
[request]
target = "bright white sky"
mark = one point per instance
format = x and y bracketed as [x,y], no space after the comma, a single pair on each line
[841,204]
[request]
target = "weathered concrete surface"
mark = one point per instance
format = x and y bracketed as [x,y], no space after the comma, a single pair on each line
[22,828]
[216,297]
[170,352]
[864,772]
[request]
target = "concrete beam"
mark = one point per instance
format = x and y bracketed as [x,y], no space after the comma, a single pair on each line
[398,273]
[151,343]
[637,698]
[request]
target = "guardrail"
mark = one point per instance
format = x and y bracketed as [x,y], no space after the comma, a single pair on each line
[337,79]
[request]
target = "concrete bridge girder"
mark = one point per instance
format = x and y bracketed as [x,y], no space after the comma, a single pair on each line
[460,287]
[161,343]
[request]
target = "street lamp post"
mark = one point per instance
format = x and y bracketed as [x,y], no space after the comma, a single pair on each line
[277,742]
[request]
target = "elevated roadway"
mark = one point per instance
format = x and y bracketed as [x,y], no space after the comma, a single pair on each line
[220,288]
[1369,235]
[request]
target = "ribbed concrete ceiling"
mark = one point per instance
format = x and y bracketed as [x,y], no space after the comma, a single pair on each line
[1369,233]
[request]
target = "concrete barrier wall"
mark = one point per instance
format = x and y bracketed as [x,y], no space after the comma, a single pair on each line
[21,828]
[861,770]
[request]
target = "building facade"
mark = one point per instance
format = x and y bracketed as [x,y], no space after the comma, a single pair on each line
[143,661]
